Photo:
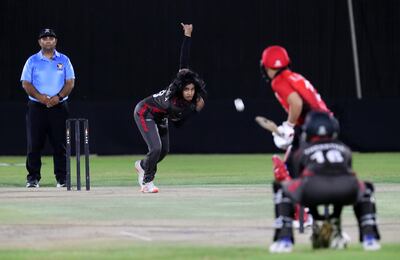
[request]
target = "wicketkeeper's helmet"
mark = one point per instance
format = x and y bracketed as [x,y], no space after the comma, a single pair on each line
[320,124]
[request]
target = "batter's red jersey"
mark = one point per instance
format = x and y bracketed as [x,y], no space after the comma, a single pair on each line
[288,82]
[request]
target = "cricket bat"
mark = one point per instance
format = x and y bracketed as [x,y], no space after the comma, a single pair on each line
[267,124]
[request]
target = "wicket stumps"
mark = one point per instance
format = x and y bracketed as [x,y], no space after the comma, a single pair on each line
[77,125]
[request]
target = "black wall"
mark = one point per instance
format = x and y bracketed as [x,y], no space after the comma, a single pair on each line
[125,50]
[218,129]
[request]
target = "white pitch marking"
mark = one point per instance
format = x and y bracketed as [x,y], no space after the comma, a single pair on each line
[11,164]
[136,236]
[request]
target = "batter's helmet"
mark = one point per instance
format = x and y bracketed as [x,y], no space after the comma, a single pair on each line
[320,124]
[275,57]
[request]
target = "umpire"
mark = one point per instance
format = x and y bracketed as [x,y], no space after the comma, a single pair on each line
[48,78]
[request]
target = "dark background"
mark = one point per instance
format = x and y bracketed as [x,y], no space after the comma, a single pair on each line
[125,50]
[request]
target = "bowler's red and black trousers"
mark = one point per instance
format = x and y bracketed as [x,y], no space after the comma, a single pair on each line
[153,125]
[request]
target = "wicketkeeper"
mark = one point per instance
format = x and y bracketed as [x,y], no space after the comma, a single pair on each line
[324,173]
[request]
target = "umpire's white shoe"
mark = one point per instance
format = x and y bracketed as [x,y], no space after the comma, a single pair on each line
[149,188]
[370,243]
[284,245]
[32,184]
[140,173]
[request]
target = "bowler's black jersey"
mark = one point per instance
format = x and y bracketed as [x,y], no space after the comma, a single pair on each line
[161,105]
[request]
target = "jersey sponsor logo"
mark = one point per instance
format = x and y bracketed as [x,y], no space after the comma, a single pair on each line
[60,66]
[159,93]
[323,147]
[296,77]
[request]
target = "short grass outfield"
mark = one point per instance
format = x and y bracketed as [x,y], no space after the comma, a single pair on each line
[209,207]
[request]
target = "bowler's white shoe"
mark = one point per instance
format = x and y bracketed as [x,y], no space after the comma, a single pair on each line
[149,188]
[140,173]
[61,185]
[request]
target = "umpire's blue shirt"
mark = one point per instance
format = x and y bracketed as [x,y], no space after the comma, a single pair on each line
[48,76]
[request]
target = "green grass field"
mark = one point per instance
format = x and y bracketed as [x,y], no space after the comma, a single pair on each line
[209,207]
[197,169]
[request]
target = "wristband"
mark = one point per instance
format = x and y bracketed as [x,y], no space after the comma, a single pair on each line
[59,97]
[289,124]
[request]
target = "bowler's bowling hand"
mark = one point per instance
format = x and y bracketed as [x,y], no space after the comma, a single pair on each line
[187,29]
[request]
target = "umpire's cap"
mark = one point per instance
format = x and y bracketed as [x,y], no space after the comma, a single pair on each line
[320,124]
[47,32]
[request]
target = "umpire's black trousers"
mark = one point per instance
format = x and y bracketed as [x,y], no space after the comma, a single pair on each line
[42,122]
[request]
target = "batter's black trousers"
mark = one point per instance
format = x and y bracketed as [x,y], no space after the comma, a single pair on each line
[43,122]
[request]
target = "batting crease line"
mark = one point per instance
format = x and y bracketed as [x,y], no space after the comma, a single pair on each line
[136,236]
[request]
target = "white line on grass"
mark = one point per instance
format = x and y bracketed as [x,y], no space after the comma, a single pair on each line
[129,234]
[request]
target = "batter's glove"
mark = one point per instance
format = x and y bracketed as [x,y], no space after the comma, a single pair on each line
[284,137]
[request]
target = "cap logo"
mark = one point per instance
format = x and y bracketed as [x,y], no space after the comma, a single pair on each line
[277,63]
[47,30]
[322,130]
